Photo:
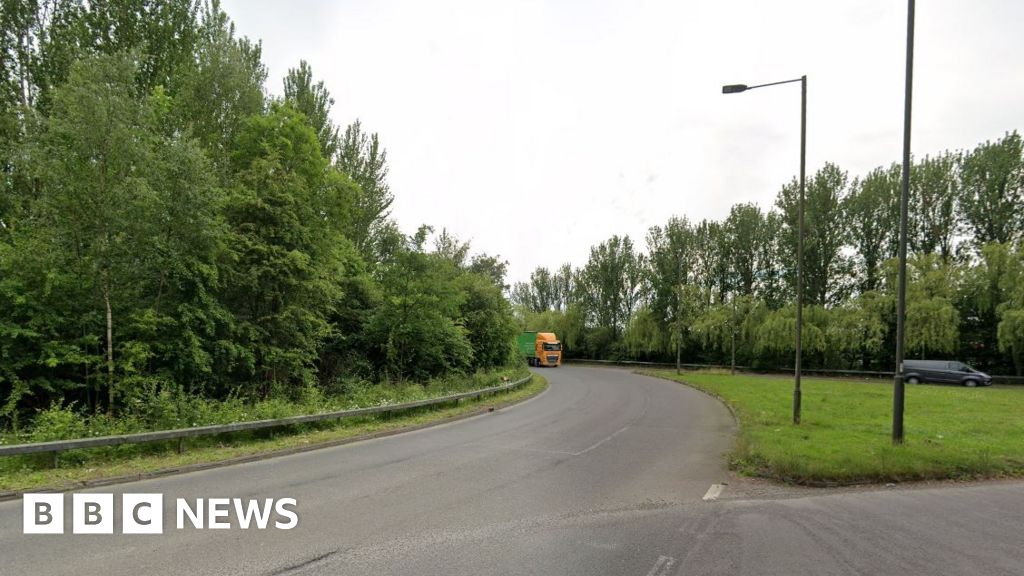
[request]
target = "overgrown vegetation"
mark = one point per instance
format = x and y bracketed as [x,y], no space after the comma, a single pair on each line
[699,283]
[844,434]
[33,472]
[178,246]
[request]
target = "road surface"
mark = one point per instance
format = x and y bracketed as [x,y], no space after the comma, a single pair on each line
[605,473]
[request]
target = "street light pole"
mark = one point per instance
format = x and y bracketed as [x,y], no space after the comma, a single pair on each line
[901,298]
[734,89]
[800,254]
[732,368]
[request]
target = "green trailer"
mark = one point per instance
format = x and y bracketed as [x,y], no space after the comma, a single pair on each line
[528,345]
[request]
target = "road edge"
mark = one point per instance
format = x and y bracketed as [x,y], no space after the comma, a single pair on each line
[199,466]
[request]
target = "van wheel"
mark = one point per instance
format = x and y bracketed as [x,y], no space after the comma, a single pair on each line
[913,380]
[970,383]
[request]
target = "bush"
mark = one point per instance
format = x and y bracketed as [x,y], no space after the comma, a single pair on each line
[58,422]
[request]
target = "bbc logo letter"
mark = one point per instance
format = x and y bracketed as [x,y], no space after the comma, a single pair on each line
[43,514]
[93,513]
[142,514]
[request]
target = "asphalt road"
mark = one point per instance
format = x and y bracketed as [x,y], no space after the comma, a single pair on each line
[604,473]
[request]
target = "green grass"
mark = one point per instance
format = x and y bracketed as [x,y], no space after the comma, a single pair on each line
[97,464]
[845,434]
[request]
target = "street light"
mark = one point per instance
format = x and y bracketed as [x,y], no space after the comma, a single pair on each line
[901,299]
[735,89]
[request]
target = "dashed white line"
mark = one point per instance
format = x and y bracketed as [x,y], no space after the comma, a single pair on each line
[662,566]
[713,492]
[602,441]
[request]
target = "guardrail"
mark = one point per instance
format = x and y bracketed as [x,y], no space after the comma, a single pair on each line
[997,379]
[58,446]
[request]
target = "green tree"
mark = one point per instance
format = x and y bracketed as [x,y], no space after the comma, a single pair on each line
[161,35]
[487,319]
[281,284]
[872,212]
[992,191]
[362,157]
[417,331]
[612,283]
[221,90]
[770,274]
[933,196]
[825,267]
[314,101]
[742,233]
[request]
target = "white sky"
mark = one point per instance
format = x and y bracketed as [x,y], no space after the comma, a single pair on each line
[536,129]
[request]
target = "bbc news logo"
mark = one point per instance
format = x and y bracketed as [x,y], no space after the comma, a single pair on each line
[144,513]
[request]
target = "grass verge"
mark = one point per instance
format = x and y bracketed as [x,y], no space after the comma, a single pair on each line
[844,436]
[250,445]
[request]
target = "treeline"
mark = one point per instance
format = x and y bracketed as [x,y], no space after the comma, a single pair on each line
[167,227]
[699,283]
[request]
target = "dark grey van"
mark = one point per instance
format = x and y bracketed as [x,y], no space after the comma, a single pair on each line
[943,371]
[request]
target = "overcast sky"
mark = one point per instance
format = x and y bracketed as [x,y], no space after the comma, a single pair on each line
[538,129]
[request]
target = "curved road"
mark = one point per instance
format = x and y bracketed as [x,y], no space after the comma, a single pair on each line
[604,473]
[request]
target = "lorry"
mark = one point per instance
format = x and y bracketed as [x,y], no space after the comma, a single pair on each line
[540,348]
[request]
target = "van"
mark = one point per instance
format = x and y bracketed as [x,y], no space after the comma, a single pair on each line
[943,371]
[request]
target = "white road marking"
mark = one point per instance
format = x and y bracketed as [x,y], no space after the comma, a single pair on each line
[602,441]
[713,492]
[662,566]
[521,448]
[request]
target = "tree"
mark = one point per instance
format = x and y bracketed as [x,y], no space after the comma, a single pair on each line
[487,319]
[742,233]
[933,323]
[93,144]
[671,258]
[417,333]
[872,211]
[130,214]
[222,90]
[825,267]
[314,101]
[491,267]
[710,265]
[542,290]
[564,287]
[612,282]
[162,37]
[771,287]
[992,193]
[365,161]
[447,246]
[284,248]
[933,196]
[690,304]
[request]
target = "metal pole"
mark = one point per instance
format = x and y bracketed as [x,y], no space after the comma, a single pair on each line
[679,347]
[732,369]
[800,252]
[901,298]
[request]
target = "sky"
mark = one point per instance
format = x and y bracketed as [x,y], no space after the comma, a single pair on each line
[537,129]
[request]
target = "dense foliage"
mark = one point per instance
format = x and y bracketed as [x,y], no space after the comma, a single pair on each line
[167,228]
[700,284]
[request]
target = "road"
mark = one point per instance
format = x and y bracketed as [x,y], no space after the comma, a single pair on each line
[604,473]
